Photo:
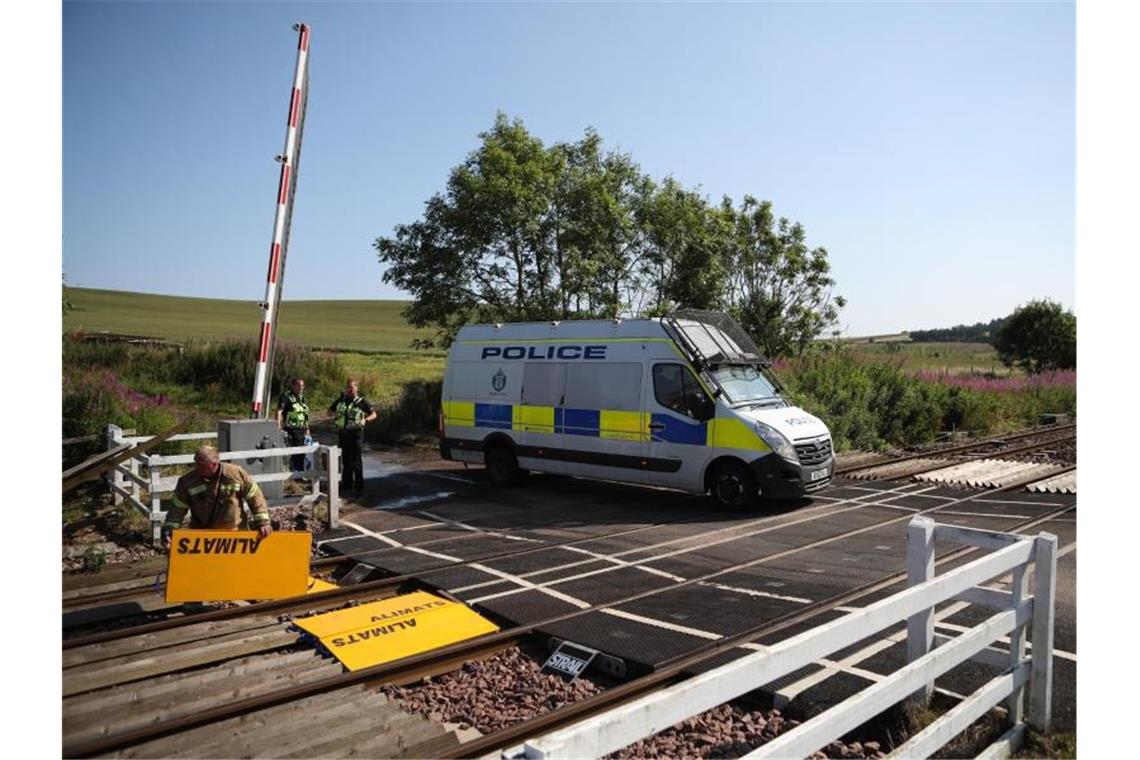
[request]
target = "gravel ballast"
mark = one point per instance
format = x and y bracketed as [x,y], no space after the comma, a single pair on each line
[508,688]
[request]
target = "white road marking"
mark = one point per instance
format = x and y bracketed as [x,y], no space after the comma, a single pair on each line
[394,542]
[528,586]
[753,592]
[456,478]
[662,624]
[473,529]
[407,501]
[623,563]
[676,552]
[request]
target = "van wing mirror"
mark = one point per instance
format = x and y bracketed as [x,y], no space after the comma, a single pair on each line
[701,406]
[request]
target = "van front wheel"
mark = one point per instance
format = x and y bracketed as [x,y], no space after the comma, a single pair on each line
[502,466]
[733,486]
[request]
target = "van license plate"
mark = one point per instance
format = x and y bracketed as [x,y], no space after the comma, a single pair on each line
[820,474]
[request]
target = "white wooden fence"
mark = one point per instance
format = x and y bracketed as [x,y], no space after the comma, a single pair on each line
[929,656]
[129,479]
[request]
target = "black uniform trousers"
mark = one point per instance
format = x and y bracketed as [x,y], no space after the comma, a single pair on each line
[351,449]
[296,437]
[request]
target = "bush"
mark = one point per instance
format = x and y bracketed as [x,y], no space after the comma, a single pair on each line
[98,398]
[873,405]
[132,386]
[414,414]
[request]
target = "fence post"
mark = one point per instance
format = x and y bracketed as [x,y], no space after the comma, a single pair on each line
[334,486]
[920,569]
[112,435]
[1044,597]
[156,514]
[1016,701]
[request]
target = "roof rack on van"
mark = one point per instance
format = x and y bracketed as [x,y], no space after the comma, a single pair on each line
[712,338]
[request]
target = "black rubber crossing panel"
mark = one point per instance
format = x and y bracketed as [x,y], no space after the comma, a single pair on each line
[529,606]
[334,533]
[689,565]
[613,585]
[711,609]
[357,545]
[381,521]
[441,533]
[825,695]
[547,558]
[494,587]
[642,646]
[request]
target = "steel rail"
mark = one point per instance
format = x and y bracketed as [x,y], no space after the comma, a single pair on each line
[675,669]
[951,463]
[320,598]
[379,587]
[401,670]
[147,586]
[957,449]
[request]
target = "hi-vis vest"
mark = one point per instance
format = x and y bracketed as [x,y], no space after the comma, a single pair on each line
[349,416]
[298,414]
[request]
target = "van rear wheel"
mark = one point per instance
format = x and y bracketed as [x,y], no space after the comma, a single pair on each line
[733,486]
[502,466]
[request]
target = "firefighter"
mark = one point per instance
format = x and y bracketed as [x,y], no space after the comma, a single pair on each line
[293,418]
[213,493]
[351,413]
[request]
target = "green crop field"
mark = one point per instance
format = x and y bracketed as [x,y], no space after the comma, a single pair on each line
[348,325]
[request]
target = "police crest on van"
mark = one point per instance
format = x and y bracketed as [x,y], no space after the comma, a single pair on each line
[498,382]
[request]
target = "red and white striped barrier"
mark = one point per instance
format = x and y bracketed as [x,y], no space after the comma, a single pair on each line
[286,188]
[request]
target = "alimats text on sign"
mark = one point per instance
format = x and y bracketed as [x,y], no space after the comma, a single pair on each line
[387,630]
[231,565]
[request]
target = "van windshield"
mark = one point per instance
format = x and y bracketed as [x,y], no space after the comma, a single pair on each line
[744,383]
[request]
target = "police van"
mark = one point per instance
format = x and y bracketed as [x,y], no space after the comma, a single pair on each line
[684,401]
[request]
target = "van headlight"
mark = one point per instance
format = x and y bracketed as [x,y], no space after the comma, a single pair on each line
[777,441]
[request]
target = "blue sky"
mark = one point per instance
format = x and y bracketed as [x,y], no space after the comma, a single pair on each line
[929,147]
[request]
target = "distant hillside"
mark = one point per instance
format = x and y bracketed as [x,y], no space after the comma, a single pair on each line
[981,332]
[351,325]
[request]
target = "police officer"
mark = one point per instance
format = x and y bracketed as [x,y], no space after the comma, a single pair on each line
[213,493]
[293,418]
[351,413]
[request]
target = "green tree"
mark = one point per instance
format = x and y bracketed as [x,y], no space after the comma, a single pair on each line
[1039,336]
[523,232]
[481,250]
[685,264]
[573,231]
[779,289]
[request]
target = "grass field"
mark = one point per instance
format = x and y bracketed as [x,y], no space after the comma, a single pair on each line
[954,358]
[348,325]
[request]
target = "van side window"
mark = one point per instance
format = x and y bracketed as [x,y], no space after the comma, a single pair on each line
[613,385]
[543,384]
[675,388]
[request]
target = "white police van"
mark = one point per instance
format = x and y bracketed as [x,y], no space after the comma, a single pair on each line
[683,402]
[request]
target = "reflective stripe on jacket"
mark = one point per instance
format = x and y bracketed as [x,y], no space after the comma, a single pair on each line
[297,414]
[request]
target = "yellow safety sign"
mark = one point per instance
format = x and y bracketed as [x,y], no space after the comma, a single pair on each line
[226,565]
[380,632]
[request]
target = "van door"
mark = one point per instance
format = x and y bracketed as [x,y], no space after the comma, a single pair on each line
[679,410]
[538,418]
[605,427]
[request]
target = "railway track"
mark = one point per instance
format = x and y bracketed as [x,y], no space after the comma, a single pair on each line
[322,600]
[895,468]
[679,668]
[249,620]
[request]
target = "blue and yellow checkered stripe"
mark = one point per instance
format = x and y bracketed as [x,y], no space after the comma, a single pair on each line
[728,433]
